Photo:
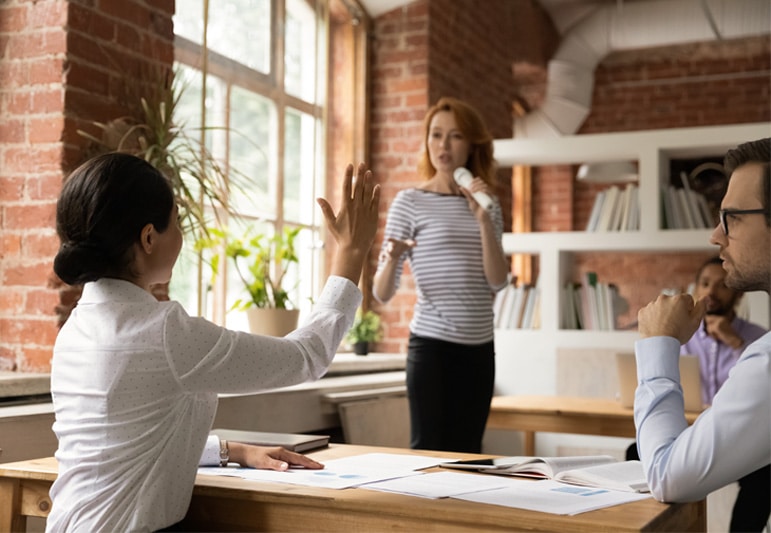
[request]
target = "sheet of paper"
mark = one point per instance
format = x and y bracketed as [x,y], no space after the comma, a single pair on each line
[394,461]
[337,473]
[553,497]
[330,478]
[439,484]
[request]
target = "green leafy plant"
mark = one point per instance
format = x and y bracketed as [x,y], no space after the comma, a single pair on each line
[261,262]
[367,327]
[200,184]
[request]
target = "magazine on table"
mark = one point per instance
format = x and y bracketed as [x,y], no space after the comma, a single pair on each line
[602,471]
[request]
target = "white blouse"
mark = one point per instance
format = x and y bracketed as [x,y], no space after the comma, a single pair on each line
[134,384]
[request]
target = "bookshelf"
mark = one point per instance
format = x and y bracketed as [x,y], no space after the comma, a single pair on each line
[527,359]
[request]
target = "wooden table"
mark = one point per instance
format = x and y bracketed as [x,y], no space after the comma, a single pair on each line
[563,414]
[232,504]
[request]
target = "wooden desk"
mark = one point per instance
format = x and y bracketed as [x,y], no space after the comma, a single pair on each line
[563,414]
[232,504]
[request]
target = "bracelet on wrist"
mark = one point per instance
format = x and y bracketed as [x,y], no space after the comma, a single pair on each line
[224,453]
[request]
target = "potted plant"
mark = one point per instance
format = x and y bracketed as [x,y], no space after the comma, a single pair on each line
[261,262]
[366,328]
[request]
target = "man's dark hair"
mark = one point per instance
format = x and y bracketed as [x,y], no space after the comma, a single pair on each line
[753,152]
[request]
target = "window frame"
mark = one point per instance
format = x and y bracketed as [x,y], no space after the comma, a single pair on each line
[271,86]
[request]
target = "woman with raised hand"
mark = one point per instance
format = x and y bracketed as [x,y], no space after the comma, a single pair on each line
[135,381]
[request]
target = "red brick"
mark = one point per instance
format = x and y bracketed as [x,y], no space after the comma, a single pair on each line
[12,131]
[50,14]
[37,359]
[41,330]
[11,189]
[10,246]
[43,245]
[46,71]
[41,302]
[34,275]
[29,216]
[13,18]
[12,302]
[46,130]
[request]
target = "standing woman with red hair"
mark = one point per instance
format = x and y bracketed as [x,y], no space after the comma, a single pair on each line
[453,245]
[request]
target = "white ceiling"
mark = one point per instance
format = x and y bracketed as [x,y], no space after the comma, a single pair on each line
[563,12]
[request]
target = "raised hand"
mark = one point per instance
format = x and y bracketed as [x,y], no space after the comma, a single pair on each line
[355,225]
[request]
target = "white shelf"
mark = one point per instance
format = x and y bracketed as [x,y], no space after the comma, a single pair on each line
[615,241]
[680,142]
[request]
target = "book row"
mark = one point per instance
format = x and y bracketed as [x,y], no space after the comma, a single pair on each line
[615,209]
[518,307]
[590,304]
[685,208]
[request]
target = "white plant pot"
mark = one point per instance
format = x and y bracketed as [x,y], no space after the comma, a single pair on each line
[272,322]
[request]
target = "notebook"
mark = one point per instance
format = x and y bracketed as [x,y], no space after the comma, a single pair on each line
[690,380]
[296,442]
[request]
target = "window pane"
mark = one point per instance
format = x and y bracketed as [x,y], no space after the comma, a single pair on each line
[188,20]
[183,287]
[252,153]
[299,167]
[309,252]
[300,50]
[238,29]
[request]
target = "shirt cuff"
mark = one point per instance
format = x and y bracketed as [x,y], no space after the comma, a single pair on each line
[340,293]
[657,357]
[211,452]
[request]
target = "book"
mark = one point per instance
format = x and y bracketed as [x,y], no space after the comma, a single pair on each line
[608,208]
[295,442]
[500,303]
[599,471]
[594,216]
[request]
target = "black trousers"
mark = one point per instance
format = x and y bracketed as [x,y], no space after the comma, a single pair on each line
[753,503]
[449,387]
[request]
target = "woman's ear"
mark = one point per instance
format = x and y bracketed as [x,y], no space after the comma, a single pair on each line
[147,238]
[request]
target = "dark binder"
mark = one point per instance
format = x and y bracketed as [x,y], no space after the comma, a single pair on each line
[296,442]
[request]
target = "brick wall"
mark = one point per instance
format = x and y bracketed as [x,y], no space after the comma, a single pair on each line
[63,64]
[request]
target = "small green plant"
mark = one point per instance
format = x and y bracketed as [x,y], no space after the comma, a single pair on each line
[261,262]
[366,327]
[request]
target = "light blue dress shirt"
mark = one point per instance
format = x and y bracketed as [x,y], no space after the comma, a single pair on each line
[728,440]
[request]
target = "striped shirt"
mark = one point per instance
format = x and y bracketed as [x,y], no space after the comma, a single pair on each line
[454,299]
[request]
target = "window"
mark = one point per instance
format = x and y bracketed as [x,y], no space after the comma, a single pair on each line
[264,102]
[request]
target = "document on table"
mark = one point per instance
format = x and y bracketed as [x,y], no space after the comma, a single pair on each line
[549,496]
[337,473]
[439,484]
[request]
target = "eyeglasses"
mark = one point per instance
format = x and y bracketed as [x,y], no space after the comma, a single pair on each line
[725,213]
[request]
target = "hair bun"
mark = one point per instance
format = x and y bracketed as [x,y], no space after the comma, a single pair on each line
[79,262]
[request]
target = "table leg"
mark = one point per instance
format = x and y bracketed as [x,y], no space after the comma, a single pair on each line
[11,518]
[529,443]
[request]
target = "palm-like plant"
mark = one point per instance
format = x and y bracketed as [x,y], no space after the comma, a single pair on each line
[200,184]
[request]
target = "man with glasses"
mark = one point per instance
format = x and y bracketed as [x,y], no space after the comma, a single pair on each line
[733,437]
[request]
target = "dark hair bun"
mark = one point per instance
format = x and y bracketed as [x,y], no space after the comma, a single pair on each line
[78,263]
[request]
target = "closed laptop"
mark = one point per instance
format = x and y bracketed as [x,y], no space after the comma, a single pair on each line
[690,380]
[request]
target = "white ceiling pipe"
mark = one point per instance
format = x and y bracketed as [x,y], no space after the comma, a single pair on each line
[631,25]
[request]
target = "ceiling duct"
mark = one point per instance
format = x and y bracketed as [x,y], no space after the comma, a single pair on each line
[628,26]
